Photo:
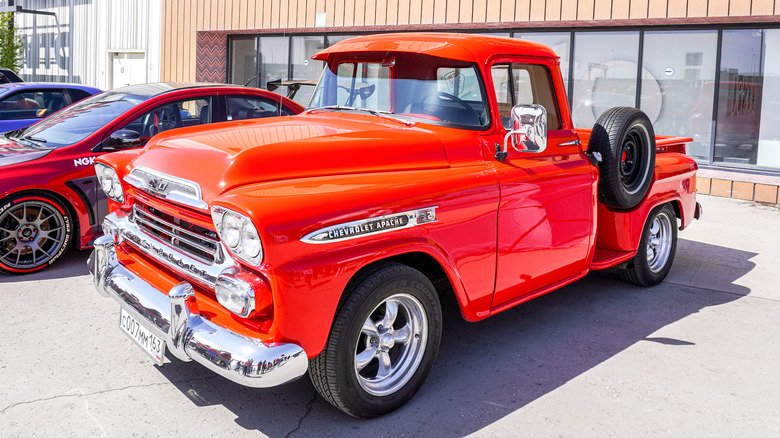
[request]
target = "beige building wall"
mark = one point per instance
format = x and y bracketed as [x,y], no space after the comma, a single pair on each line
[181,19]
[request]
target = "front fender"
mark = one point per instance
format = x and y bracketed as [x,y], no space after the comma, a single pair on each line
[308,279]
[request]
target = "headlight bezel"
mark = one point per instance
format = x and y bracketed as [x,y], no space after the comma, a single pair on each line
[108,177]
[253,253]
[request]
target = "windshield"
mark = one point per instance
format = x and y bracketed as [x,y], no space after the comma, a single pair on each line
[79,120]
[412,86]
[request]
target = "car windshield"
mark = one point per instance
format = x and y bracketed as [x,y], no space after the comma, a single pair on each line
[79,120]
[410,86]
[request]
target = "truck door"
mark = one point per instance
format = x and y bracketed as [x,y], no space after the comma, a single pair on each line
[546,212]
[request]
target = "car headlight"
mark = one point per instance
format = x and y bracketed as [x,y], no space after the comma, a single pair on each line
[236,295]
[238,234]
[109,182]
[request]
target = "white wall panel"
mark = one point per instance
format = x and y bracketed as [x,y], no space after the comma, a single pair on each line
[78,44]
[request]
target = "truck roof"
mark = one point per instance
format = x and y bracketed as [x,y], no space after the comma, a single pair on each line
[460,46]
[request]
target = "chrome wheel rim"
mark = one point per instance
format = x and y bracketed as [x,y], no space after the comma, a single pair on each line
[31,233]
[391,345]
[659,242]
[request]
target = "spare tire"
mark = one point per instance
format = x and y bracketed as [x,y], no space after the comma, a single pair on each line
[626,141]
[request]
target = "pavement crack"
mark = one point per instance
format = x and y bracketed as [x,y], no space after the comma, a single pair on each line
[105,391]
[747,295]
[309,408]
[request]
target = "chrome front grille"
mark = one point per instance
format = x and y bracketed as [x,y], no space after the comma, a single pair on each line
[191,239]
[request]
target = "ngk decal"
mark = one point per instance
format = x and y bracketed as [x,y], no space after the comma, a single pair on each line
[86,161]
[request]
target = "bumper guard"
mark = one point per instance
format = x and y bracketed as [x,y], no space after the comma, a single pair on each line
[188,336]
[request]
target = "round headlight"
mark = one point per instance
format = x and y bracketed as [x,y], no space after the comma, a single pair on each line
[238,234]
[250,241]
[109,182]
[105,180]
[231,230]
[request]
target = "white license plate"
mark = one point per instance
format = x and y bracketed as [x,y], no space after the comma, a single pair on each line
[148,341]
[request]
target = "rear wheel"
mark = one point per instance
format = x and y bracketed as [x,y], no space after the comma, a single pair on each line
[35,231]
[383,342]
[653,260]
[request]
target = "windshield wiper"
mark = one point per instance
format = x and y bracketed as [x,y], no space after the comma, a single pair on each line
[383,114]
[35,141]
[13,135]
[338,107]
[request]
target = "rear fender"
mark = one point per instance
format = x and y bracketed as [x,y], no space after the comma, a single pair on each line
[674,181]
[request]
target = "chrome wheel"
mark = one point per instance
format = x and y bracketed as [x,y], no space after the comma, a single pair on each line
[31,234]
[391,345]
[659,242]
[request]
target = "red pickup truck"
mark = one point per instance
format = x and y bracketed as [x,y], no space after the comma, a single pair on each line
[426,165]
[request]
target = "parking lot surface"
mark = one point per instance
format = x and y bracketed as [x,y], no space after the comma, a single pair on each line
[698,355]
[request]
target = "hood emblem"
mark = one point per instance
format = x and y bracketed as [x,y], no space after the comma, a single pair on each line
[157,185]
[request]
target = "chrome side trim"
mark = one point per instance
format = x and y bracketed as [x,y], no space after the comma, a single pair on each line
[189,336]
[372,226]
[168,187]
[571,143]
[194,269]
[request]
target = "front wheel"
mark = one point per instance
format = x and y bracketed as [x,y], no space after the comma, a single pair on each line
[654,258]
[35,231]
[383,342]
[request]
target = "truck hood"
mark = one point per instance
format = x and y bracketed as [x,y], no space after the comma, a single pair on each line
[223,156]
[12,152]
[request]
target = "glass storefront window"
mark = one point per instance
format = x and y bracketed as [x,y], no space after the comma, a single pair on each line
[739,97]
[243,61]
[678,85]
[302,67]
[333,39]
[605,74]
[769,133]
[274,59]
[560,42]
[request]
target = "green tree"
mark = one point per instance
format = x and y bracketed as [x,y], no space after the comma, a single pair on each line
[11,55]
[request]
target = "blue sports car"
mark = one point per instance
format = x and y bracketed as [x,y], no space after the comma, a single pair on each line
[24,103]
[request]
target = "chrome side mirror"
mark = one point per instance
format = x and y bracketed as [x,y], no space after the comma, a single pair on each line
[529,130]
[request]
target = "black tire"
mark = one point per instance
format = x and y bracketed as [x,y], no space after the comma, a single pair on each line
[35,231]
[626,141]
[655,256]
[347,372]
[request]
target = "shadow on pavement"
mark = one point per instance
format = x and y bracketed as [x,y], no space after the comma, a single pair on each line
[72,264]
[485,370]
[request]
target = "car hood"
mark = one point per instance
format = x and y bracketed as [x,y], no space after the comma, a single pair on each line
[223,156]
[12,152]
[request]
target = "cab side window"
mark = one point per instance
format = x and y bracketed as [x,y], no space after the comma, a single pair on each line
[251,107]
[28,104]
[523,84]
[172,115]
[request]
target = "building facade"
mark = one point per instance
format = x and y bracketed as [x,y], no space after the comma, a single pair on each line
[101,43]
[706,69]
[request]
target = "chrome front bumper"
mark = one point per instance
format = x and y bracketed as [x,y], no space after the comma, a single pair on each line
[188,336]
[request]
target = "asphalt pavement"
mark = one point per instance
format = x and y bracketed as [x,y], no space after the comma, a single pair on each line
[698,355]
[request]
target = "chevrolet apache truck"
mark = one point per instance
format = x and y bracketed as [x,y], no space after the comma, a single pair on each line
[426,165]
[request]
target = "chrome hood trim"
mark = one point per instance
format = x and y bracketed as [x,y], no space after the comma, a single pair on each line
[168,187]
